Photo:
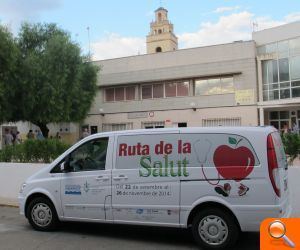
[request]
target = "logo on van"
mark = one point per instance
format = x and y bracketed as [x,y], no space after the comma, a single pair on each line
[73,189]
[233,163]
[159,168]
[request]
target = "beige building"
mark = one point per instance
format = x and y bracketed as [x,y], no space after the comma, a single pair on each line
[242,83]
[205,86]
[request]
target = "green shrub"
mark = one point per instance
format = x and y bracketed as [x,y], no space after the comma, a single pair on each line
[33,151]
[291,143]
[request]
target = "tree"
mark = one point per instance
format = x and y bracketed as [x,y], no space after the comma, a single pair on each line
[9,56]
[291,144]
[56,83]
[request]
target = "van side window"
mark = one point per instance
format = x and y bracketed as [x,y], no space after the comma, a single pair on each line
[90,156]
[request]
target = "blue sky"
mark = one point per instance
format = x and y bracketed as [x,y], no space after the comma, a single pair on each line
[118,27]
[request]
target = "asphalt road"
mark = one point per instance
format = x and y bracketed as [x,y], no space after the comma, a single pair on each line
[16,233]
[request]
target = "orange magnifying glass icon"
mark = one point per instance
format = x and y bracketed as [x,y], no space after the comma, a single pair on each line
[277,230]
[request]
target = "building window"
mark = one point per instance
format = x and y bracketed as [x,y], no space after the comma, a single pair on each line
[214,86]
[170,89]
[158,91]
[201,87]
[279,119]
[214,122]
[146,91]
[296,92]
[227,85]
[281,76]
[284,69]
[158,49]
[120,94]
[267,49]
[272,71]
[295,68]
[130,93]
[294,46]
[149,125]
[106,127]
[159,17]
[94,129]
[182,88]
[179,125]
[283,49]
[110,95]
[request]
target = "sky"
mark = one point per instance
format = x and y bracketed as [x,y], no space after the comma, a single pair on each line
[118,28]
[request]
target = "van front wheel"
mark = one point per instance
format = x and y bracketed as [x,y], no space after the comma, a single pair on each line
[42,215]
[213,228]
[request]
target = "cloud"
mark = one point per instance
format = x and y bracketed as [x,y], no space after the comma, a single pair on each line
[292,17]
[224,9]
[113,45]
[14,12]
[228,28]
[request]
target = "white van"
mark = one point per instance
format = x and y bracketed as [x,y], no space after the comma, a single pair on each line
[218,181]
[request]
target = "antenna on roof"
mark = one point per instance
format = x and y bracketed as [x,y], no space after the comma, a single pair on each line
[254,26]
[88,30]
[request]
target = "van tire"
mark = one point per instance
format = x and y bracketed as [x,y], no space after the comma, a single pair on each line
[210,236]
[42,215]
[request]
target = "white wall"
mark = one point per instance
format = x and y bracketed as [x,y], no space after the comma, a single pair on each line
[279,33]
[12,175]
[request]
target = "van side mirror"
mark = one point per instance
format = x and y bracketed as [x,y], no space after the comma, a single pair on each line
[65,166]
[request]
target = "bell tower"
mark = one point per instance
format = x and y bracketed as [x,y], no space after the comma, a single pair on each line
[161,37]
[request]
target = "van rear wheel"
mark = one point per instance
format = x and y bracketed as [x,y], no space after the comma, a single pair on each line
[213,228]
[42,215]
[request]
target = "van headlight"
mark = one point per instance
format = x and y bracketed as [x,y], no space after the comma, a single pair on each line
[23,187]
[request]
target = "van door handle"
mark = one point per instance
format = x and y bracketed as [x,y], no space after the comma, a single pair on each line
[120,177]
[102,178]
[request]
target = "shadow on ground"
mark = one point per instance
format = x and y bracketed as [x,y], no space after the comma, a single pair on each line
[163,236]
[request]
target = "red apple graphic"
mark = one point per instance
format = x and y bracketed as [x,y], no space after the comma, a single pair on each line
[233,163]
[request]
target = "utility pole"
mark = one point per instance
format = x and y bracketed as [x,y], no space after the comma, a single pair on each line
[88,30]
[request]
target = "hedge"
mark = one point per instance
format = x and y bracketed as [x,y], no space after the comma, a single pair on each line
[33,151]
[291,143]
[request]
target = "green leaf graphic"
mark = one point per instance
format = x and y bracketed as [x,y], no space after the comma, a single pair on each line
[232,140]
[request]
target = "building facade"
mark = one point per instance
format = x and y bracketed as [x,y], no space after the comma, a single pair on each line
[206,86]
[244,83]
[278,70]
